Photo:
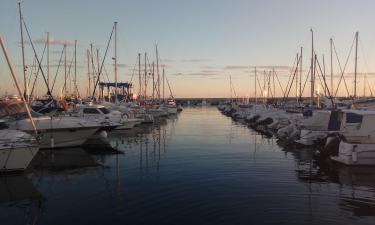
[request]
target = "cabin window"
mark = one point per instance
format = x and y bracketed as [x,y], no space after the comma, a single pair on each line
[104,110]
[90,111]
[353,118]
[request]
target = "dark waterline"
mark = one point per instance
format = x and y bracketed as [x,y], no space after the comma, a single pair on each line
[197,168]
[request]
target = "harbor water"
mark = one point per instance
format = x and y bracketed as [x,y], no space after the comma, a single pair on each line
[197,168]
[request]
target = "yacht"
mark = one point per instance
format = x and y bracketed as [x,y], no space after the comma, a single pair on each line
[54,131]
[104,115]
[357,144]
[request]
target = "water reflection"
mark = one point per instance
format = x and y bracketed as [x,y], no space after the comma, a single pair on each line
[198,168]
[355,185]
[19,194]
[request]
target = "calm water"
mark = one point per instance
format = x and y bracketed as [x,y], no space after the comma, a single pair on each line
[199,168]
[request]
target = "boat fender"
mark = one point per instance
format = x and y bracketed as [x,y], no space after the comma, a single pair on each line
[103,134]
[354,153]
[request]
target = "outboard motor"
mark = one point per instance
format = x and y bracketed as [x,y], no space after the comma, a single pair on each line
[331,147]
[3,125]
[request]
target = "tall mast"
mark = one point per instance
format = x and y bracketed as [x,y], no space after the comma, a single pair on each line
[115,62]
[145,81]
[157,71]
[355,65]
[300,77]
[65,88]
[23,50]
[163,85]
[153,81]
[48,58]
[330,44]
[75,69]
[255,84]
[298,57]
[230,87]
[312,68]
[88,71]
[139,75]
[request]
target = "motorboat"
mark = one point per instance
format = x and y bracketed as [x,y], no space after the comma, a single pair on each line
[54,131]
[103,115]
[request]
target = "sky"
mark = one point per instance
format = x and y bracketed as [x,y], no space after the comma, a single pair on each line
[202,43]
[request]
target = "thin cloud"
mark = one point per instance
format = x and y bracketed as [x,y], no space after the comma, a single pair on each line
[53,41]
[241,67]
[186,60]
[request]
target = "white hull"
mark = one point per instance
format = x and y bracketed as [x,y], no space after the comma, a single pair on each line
[63,138]
[16,159]
[172,110]
[356,154]
[129,124]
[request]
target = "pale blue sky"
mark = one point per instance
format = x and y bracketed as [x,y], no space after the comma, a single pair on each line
[202,42]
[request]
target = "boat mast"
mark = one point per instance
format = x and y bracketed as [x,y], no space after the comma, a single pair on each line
[22,50]
[300,76]
[355,65]
[163,85]
[312,68]
[157,71]
[88,71]
[139,76]
[330,43]
[255,84]
[48,59]
[65,75]
[153,81]
[75,69]
[298,58]
[145,89]
[115,62]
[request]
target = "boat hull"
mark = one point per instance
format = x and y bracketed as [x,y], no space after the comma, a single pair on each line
[354,154]
[64,138]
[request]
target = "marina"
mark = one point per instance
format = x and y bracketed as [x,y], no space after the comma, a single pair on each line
[158,121]
[168,173]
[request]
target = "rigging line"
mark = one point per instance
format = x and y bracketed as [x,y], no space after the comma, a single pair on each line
[260,86]
[294,68]
[58,67]
[37,72]
[133,72]
[34,63]
[36,56]
[307,78]
[325,82]
[170,90]
[106,73]
[70,66]
[105,55]
[342,70]
[291,84]
[290,75]
[365,61]
[31,72]
[277,77]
